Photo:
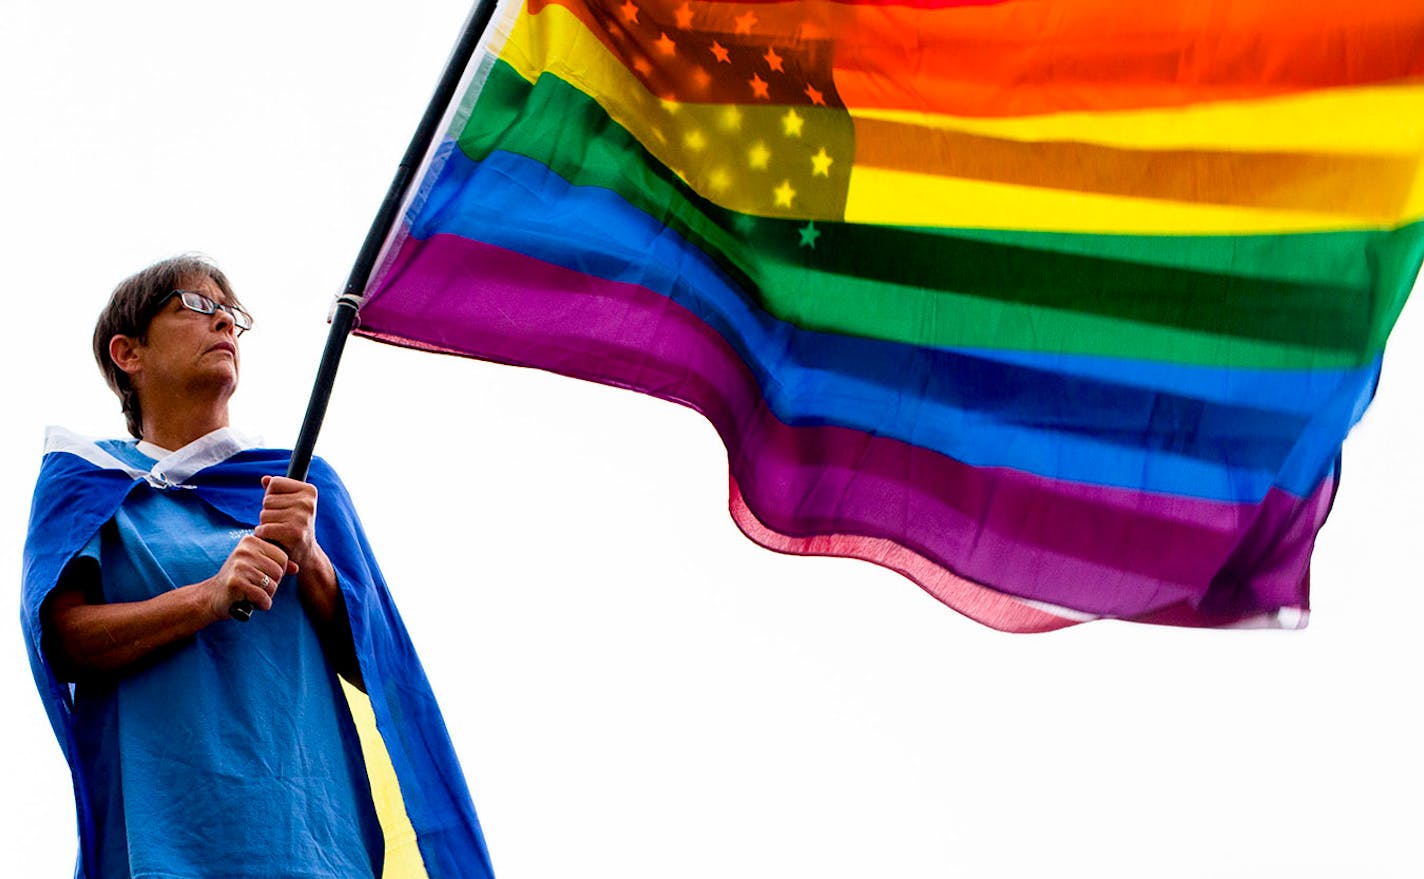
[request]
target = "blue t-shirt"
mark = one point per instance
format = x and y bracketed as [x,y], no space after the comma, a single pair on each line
[229,754]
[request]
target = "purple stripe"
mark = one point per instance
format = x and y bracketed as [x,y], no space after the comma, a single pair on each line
[1096,549]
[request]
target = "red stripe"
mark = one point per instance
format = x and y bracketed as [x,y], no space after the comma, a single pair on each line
[1022,58]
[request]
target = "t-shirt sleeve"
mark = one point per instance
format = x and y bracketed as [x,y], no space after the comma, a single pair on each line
[82,572]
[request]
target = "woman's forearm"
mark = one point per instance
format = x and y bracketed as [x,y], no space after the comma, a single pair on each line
[106,639]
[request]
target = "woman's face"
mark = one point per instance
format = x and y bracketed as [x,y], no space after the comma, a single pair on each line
[187,352]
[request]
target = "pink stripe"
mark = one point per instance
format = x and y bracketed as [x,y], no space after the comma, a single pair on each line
[1103,551]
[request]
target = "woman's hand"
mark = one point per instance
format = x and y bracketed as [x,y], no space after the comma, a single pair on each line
[251,573]
[288,517]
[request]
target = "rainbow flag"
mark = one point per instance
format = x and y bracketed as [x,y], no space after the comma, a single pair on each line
[1062,308]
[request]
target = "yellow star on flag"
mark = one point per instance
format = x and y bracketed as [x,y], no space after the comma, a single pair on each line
[821,164]
[791,123]
[784,194]
[759,156]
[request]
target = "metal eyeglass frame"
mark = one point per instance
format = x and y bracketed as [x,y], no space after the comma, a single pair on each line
[202,304]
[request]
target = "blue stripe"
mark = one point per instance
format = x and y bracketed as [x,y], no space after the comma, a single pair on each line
[1298,392]
[988,411]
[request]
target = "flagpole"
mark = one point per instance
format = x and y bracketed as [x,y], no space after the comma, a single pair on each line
[343,318]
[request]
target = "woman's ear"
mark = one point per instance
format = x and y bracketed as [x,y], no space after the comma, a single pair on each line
[125,352]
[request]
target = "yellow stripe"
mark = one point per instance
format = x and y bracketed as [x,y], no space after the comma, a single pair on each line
[1376,120]
[905,199]
[403,860]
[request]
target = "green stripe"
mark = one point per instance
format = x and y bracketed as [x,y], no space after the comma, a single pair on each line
[1274,301]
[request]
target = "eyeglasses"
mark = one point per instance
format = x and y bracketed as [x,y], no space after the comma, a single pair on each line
[195,301]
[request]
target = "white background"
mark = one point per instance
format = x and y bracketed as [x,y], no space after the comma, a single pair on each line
[636,690]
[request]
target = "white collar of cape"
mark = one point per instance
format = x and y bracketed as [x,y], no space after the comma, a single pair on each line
[171,470]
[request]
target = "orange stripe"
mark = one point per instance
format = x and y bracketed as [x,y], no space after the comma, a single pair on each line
[1025,58]
[1373,188]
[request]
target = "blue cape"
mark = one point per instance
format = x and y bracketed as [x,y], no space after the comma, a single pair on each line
[81,487]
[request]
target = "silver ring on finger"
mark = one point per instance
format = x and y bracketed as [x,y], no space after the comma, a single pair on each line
[266,581]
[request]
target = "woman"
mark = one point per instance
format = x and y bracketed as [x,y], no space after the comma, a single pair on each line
[202,746]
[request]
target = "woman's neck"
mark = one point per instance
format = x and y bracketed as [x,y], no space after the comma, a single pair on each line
[172,424]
